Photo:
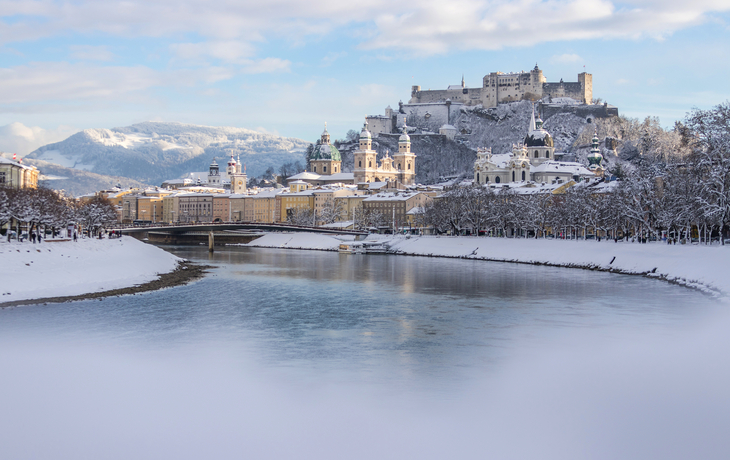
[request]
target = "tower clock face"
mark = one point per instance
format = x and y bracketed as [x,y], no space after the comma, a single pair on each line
[240,183]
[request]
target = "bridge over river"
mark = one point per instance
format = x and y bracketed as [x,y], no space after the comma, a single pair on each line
[220,233]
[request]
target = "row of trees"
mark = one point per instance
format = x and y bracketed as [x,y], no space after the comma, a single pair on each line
[668,193]
[42,207]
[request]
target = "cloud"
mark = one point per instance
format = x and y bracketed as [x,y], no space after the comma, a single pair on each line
[91,53]
[227,50]
[331,58]
[229,29]
[623,81]
[21,139]
[267,65]
[49,82]
[565,59]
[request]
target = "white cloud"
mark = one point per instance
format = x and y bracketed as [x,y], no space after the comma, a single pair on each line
[229,28]
[566,59]
[623,81]
[21,139]
[91,53]
[228,50]
[332,57]
[267,65]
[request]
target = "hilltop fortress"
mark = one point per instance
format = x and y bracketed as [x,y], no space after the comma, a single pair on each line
[509,87]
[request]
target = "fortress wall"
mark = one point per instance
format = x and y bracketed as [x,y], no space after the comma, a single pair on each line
[573,90]
[379,124]
[439,115]
[585,111]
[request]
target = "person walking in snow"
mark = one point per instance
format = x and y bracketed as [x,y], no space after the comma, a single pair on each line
[75,236]
[32,236]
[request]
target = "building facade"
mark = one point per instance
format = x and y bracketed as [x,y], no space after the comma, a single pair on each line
[14,174]
[498,87]
[400,168]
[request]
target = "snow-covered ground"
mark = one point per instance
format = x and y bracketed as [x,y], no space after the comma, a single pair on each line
[302,240]
[65,268]
[698,266]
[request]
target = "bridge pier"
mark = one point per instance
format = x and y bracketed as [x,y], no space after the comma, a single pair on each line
[211,241]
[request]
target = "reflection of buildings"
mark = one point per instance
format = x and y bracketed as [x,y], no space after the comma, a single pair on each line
[14,174]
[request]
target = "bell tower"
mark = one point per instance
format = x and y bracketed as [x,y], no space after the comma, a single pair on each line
[238,179]
[405,160]
[365,157]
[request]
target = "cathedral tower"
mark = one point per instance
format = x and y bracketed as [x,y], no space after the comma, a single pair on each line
[365,157]
[405,160]
[238,179]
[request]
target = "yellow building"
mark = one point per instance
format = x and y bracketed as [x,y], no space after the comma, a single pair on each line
[14,174]
[287,202]
[150,208]
[265,206]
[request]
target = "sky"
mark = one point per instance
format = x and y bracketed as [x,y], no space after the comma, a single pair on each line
[288,66]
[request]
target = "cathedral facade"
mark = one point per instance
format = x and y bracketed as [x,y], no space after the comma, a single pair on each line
[399,168]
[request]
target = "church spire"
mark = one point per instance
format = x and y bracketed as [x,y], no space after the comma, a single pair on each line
[462,81]
[532,120]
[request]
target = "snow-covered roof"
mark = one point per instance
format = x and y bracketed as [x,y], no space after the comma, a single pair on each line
[562,167]
[376,185]
[15,163]
[392,196]
[305,175]
[447,126]
[339,177]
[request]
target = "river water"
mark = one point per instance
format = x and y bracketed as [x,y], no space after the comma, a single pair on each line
[304,354]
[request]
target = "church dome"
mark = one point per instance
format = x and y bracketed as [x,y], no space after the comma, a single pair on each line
[404,137]
[365,134]
[327,152]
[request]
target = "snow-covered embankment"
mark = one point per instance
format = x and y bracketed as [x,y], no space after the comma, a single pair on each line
[701,267]
[64,268]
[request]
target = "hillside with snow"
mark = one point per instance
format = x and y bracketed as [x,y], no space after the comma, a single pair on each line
[152,152]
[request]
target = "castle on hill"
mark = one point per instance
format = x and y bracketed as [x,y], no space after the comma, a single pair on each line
[498,87]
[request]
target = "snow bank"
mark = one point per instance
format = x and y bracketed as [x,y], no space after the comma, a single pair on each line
[700,267]
[64,268]
[315,241]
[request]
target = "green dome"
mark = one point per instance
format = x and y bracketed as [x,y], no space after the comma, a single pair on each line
[327,152]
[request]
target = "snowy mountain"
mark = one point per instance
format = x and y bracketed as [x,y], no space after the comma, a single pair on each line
[152,152]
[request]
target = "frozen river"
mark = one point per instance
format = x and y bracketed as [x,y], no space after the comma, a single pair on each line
[299,354]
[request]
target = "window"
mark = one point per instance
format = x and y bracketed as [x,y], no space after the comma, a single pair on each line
[497,179]
[324,169]
[315,169]
[513,176]
[370,164]
[359,164]
[477,178]
[2,177]
[547,154]
[409,166]
[536,154]
[523,175]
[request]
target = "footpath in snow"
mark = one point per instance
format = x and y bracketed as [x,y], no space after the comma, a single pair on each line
[702,267]
[64,268]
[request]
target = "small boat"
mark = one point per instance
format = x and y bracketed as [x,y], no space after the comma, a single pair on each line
[351,248]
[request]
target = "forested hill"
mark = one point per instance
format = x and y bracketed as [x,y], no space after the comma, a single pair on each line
[152,152]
